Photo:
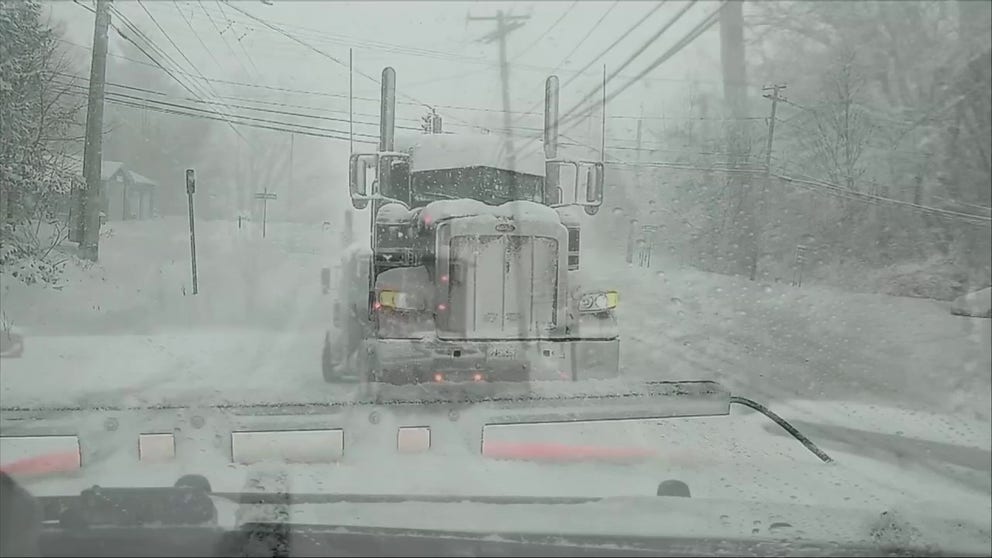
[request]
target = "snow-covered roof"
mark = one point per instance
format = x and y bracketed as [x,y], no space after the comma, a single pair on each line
[109,169]
[448,151]
[139,179]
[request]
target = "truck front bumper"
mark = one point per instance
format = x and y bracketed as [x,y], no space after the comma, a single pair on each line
[406,361]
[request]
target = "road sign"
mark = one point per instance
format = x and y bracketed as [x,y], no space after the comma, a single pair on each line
[797,277]
[265,196]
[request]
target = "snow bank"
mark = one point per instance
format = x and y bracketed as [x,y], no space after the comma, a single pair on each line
[143,282]
[977,304]
[772,341]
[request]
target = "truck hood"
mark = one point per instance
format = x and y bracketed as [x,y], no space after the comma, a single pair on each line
[885,459]
[514,210]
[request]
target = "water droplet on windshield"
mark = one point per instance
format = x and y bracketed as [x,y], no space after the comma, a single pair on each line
[778,526]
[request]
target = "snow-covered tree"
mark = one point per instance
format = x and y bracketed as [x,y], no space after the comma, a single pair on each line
[40,129]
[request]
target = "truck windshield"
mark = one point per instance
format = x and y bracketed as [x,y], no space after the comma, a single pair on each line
[486,184]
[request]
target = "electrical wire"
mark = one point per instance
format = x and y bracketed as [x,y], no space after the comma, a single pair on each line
[197,35]
[223,38]
[235,121]
[575,114]
[700,28]
[247,107]
[643,47]
[240,44]
[586,36]
[544,33]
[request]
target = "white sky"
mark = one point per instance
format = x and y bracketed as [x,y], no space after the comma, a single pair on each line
[450,66]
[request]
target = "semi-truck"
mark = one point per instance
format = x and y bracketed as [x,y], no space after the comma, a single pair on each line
[472,268]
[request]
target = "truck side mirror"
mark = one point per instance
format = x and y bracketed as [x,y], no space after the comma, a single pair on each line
[594,188]
[359,185]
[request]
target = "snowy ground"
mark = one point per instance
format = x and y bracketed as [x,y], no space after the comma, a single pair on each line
[131,325]
[129,331]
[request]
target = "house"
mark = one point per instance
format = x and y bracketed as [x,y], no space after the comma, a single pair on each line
[126,194]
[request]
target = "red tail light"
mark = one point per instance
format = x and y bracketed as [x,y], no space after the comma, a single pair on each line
[478,377]
[438,377]
[537,451]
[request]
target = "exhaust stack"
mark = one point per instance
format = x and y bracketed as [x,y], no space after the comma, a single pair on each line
[387,110]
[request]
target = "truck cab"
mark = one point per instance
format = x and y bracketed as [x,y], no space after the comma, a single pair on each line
[473,267]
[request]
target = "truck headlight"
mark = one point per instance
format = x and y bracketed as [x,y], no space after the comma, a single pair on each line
[598,301]
[398,300]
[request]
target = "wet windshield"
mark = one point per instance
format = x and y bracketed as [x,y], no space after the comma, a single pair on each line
[748,256]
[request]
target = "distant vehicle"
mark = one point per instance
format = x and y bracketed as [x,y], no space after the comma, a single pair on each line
[472,272]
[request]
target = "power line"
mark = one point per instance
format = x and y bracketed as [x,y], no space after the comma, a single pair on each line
[126,37]
[197,35]
[615,43]
[640,50]
[239,120]
[259,109]
[622,36]
[307,45]
[168,58]
[574,113]
[544,33]
[336,60]
[240,44]
[323,36]
[587,35]
[819,186]
[223,38]
[675,49]
[175,46]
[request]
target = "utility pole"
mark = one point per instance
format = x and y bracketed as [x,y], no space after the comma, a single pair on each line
[289,193]
[93,147]
[744,248]
[505,24]
[638,187]
[190,190]
[761,209]
[775,98]
[351,103]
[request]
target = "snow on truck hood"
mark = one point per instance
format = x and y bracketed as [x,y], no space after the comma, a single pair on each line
[449,151]
[523,210]
[747,480]
[433,212]
[916,462]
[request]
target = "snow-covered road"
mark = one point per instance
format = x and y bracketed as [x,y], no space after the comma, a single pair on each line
[130,328]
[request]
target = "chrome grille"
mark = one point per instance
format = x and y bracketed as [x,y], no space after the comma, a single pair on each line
[502,286]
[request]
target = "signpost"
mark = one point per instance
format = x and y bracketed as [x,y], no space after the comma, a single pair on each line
[797,279]
[190,189]
[265,197]
[647,244]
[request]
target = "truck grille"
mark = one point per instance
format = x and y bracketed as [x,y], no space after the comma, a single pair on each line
[502,286]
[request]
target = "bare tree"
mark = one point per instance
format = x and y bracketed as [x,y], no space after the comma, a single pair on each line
[841,130]
[39,128]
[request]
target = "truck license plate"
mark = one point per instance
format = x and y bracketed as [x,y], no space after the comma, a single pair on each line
[501,352]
